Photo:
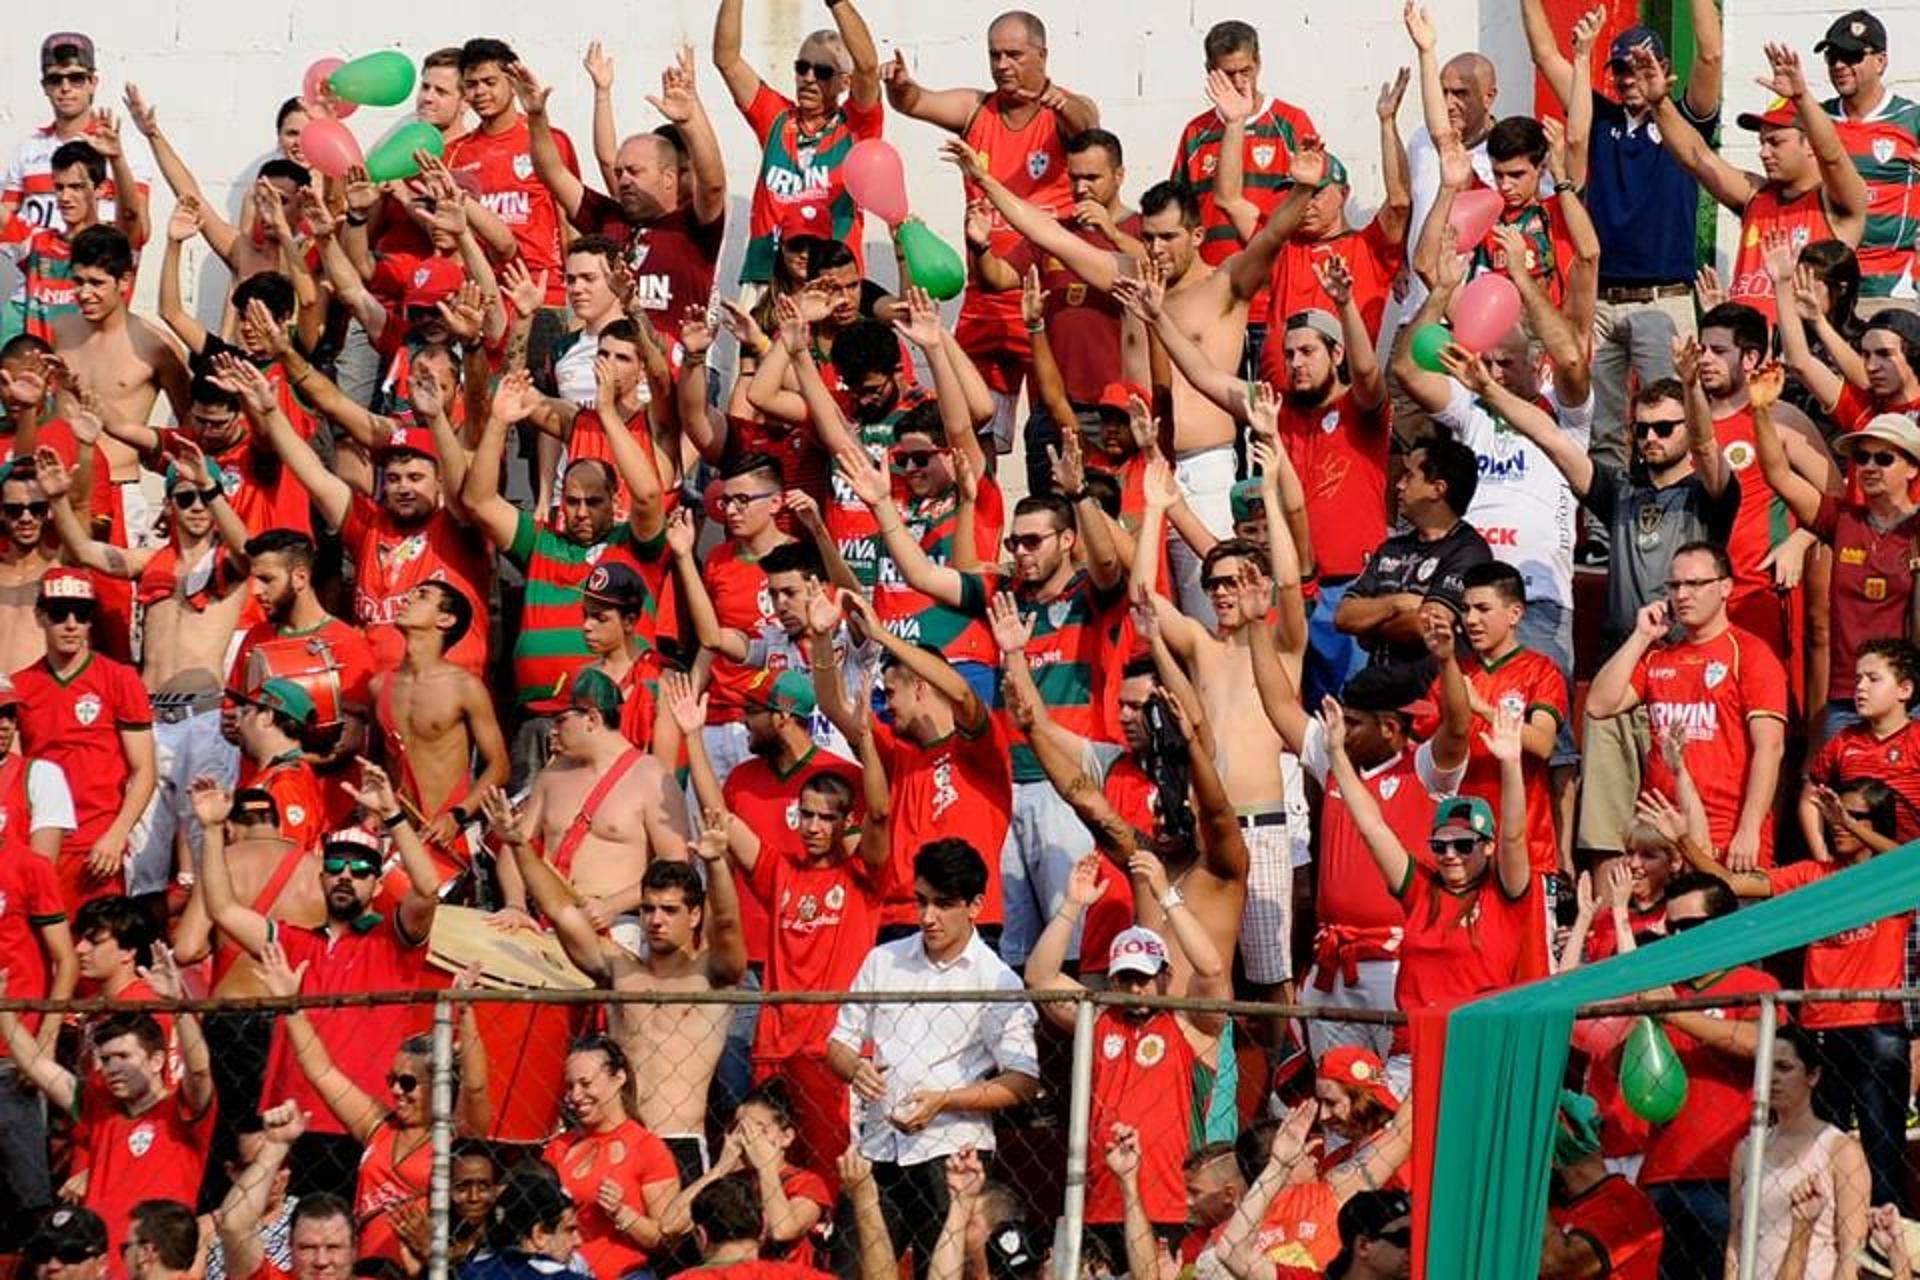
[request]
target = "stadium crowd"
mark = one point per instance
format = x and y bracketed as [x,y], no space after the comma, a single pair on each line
[441,604]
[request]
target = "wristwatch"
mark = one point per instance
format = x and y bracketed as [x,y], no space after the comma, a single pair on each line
[1172,898]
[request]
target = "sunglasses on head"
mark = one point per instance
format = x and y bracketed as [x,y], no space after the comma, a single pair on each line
[1026,541]
[818,70]
[404,1081]
[54,79]
[68,610]
[1876,457]
[14,510]
[359,868]
[913,459]
[1662,427]
[1458,846]
[187,498]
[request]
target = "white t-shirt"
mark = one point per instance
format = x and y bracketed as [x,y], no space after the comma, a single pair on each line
[49,800]
[29,180]
[772,649]
[1523,507]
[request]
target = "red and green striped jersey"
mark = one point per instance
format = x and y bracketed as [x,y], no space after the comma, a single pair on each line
[799,167]
[918,618]
[45,262]
[851,521]
[1272,138]
[551,647]
[1063,652]
[1885,148]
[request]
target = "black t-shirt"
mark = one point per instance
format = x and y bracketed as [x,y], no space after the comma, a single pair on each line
[1647,525]
[1407,564]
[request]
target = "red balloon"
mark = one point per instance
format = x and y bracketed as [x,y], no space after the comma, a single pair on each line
[1473,215]
[330,147]
[877,181]
[1484,312]
[318,97]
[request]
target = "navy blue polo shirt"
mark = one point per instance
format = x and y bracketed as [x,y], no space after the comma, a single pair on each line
[1642,202]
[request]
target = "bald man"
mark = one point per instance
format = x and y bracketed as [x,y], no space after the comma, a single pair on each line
[1456,100]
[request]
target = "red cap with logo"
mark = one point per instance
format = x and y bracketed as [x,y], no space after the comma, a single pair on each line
[433,280]
[804,218]
[67,584]
[410,437]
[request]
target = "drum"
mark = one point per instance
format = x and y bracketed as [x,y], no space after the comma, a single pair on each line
[308,661]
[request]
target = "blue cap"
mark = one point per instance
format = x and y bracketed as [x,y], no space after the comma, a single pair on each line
[1621,50]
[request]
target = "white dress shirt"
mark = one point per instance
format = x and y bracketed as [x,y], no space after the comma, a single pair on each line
[949,1045]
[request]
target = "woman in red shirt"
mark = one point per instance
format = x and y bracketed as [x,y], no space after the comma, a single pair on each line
[397,1165]
[621,1176]
[1472,926]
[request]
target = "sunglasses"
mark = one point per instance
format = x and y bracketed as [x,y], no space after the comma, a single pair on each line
[1681,926]
[188,499]
[1399,1237]
[1847,57]
[359,868]
[1662,427]
[1877,458]
[818,70]
[14,510]
[1220,582]
[404,1081]
[68,610]
[54,79]
[1028,541]
[71,1255]
[1859,815]
[913,459]
[741,501]
[1458,846]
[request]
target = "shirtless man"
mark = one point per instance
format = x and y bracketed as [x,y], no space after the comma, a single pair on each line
[673,1049]
[601,811]
[126,360]
[27,551]
[433,717]
[193,588]
[279,877]
[1207,303]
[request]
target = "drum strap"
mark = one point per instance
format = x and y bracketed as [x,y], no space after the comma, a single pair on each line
[576,831]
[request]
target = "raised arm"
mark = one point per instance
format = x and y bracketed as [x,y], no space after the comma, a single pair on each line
[239,923]
[552,894]
[1395,863]
[331,495]
[1396,174]
[863,81]
[1433,99]
[1045,969]
[1229,180]
[1709,59]
[950,109]
[239,1218]
[1703,441]
[413,918]
[1801,495]
[1144,298]
[969,712]
[1530,420]
[679,102]
[726,940]
[182,226]
[569,193]
[358,1110]
[1730,186]
[1846,189]
[1612,691]
[1250,270]
[492,514]
[872,486]
[743,82]
[1368,379]
[56,482]
[1503,742]
[37,1064]
[1553,65]
[1098,267]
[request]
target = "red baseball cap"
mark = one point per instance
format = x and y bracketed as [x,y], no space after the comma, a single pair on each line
[433,280]
[807,218]
[9,696]
[1780,114]
[63,583]
[1361,1072]
[410,437]
[1116,394]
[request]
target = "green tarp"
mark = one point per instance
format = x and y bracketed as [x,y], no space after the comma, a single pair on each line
[1505,1057]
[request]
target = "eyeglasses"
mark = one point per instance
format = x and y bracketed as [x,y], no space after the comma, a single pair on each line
[404,1081]
[68,611]
[14,510]
[54,79]
[1220,582]
[1028,542]
[1681,926]
[187,499]
[1878,458]
[1846,57]
[1676,585]
[1456,846]
[1662,427]
[741,501]
[359,868]
[913,459]
[818,70]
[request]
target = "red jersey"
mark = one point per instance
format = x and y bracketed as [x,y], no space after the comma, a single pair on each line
[1761,523]
[1856,752]
[1460,946]
[1272,136]
[1083,323]
[763,1269]
[588,440]
[1698,1143]
[803,459]
[1872,589]
[631,1157]
[1525,681]
[258,486]
[1549,246]
[958,786]
[804,169]
[1870,958]
[1301,1231]
[1855,408]
[1340,452]
[1352,892]
[768,802]
[825,917]
[1131,793]
[1713,688]
[159,1154]
[1032,161]
[1802,217]
[1143,1075]
[295,790]
[1619,1223]
[742,602]
[917,617]
[76,722]
[672,258]
[368,955]
[30,904]
[1373,257]
[385,1184]
[501,164]
[392,560]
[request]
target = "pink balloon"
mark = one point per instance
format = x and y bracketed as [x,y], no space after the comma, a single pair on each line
[317,97]
[1484,312]
[1474,213]
[330,147]
[877,181]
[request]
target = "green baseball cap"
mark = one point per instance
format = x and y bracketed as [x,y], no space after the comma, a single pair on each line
[595,689]
[1471,812]
[1245,499]
[786,691]
[284,697]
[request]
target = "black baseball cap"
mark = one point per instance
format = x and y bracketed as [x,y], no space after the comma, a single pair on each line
[1018,1250]
[1856,32]
[69,1234]
[617,584]
[64,48]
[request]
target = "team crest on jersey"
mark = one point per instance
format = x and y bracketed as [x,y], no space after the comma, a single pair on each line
[1058,612]
[296,814]
[1883,149]
[406,551]
[86,708]
[809,907]
[140,1141]
[1388,786]
[793,814]
[1716,672]
[1512,703]
[1426,568]
[637,255]
[595,551]
[523,167]
[1111,1047]
[1893,757]
[420,277]
[836,897]
[1330,423]
[1263,155]
[1150,1050]
[1038,162]
[3,892]
[1208,164]
[1076,295]
[1740,455]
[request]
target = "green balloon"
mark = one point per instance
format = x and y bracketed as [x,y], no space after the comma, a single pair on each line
[382,79]
[393,158]
[1652,1080]
[1428,341]
[931,262]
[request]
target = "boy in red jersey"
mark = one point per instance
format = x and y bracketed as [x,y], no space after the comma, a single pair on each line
[1883,744]
[1723,684]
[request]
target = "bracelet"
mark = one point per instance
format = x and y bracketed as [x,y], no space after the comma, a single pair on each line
[397,820]
[1172,898]
[1078,495]
[359,221]
[766,345]
[1037,328]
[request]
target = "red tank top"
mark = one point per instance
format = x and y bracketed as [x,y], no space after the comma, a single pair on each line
[1804,218]
[384,1184]
[1032,162]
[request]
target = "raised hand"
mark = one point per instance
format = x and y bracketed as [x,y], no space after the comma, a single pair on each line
[375,793]
[966,1179]
[1123,1151]
[189,457]
[1456,165]
[869,483]
[497,810]
[1708,292]
[51,474]
[284,1124]
[465,313]
[278,976]
[103,131]
[1765,384]
[1419,26]
[922,325]
[599,66]
[1653,621]
[1387,105]
[1466,368]
[144,117]
[823,610]
[515,399]
[971,164]
[1158,486]
[1586,30]
[211,802]
[677,100]
[240,378]
[1144,865]
[1686,358]
[1012,629]
[1657,811]
[1068,463]
[1309,167]
[1785,78]
[184,223]
[1810,1199]
[1515,257]
[423,391]
[1033,298]
[979,224]
[681,535]
[163,975]
[1234,104]
[689,710]
[528,89]
[1616,883]
[712,844]
[1084,883]
[1335,277]
[1334,722]
[526,292]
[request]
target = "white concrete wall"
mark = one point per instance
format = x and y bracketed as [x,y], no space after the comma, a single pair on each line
[217,69]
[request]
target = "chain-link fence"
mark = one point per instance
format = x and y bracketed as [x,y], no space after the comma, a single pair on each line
[450,1120]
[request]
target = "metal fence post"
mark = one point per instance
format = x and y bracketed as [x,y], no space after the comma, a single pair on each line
[439,1191]
[1073,1219]
[1757,1138]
